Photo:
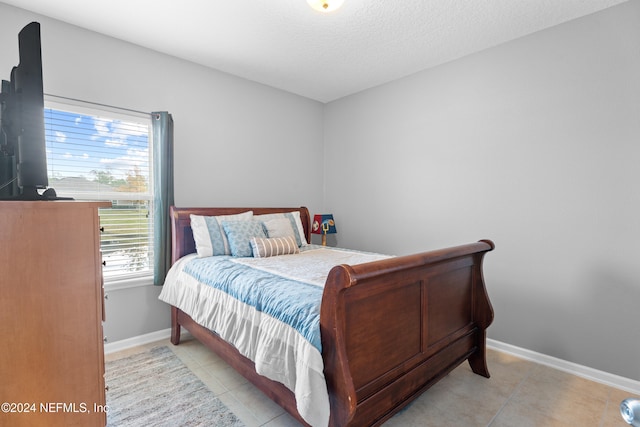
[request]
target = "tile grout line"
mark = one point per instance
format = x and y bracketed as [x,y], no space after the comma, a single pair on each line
[515,390]
[606,407]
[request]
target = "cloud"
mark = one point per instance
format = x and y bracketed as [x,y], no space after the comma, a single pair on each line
[68,155]
[102,126]
[130,128]
[116,133]
[135,158]
[139,153]
[115,142]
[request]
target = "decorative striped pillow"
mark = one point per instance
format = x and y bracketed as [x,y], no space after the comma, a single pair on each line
[265,247]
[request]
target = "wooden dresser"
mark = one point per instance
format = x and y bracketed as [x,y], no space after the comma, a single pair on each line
[51,313]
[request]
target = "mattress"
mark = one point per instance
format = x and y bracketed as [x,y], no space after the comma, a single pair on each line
[269,309]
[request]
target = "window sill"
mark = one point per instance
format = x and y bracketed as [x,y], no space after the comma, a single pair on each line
[128,283]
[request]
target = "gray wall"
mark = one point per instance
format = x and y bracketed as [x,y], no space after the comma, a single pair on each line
[534,144]
[226,128]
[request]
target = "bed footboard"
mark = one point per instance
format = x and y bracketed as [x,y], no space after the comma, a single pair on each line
[426,313]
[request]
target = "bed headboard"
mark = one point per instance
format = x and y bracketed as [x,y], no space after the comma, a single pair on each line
[182,242]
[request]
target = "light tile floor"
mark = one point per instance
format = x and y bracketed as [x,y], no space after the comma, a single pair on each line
[519,393]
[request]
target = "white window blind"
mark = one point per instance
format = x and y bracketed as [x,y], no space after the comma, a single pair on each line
[105,155]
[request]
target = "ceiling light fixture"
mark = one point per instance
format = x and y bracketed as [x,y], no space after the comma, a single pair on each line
[325,5]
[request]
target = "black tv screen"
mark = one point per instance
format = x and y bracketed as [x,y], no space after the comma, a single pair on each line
[23,157]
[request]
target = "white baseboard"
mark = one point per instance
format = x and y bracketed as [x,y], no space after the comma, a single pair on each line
[602,377]
[136,341]
[626,384]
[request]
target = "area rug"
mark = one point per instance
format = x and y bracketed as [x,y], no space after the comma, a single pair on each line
[154,388]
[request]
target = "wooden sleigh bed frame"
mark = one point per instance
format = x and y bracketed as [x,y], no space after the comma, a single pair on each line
[390,329]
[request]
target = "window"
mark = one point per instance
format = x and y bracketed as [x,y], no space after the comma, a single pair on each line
[96,154]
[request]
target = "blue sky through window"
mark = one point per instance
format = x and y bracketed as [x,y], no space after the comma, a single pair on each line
[83,146]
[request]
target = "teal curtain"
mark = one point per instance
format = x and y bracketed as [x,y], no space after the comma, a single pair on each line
[162,125]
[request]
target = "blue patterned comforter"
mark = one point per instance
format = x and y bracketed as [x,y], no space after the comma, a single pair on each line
[292,302]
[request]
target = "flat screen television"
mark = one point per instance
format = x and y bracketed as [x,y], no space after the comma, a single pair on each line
[23,155]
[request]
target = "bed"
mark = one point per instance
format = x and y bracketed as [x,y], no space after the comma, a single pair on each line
[389,328]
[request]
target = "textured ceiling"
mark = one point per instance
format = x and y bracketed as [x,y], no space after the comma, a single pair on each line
[288,45]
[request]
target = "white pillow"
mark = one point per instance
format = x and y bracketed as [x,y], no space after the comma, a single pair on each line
[294,221]
[209,235]
[279,227]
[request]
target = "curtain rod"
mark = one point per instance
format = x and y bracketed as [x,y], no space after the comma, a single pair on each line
[97,104]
